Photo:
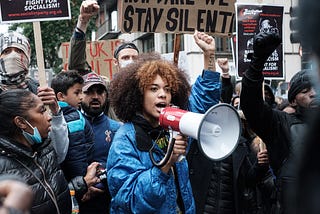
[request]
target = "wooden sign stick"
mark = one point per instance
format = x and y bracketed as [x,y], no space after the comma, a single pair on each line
[176,48]
[39,53]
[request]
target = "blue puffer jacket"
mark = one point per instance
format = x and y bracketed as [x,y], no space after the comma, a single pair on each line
[80,151]
[136,185]
[205,92]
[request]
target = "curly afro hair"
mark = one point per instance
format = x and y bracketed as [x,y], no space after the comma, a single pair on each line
[126,88]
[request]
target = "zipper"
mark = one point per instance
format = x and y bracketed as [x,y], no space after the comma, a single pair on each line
[46,185]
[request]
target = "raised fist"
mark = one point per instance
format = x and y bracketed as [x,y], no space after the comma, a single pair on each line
[264,43]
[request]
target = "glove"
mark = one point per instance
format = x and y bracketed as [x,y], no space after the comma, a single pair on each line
[264,43]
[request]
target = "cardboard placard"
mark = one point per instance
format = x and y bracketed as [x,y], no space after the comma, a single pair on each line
[99,56]
[177,16]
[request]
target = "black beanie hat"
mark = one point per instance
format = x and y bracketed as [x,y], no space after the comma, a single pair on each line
[122,46]
[298,82]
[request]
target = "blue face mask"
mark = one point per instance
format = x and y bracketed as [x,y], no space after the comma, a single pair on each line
[34,138]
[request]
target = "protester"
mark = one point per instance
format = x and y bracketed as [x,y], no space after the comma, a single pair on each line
[68,90]
[269,97]
[14,68]
[138,92]
[77,51]
[229,185]
[15,61]
[16,196]
[27,151]
[124,54]
[94,105]
[279,130]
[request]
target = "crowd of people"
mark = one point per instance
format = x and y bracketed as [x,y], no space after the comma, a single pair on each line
[103,139]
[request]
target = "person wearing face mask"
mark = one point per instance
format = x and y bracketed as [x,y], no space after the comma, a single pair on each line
[26,150]
[14,62]
[125,54]
[15,55]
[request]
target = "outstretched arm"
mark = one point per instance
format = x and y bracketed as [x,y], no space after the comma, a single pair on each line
[205,91]
[77,50]
[59,129]
[226,87]
[251,97]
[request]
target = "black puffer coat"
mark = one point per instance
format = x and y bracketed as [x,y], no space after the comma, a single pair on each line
[40,170]
[236,174]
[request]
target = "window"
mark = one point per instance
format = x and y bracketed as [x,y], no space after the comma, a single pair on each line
[223,44]
[148,43]
[168,46]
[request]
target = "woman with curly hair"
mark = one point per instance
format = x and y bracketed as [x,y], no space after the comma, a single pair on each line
[137,94]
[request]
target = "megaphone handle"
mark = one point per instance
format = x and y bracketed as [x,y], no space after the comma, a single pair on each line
[166,157]
[173,136]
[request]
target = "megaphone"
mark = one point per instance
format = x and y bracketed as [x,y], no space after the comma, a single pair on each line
[217,131]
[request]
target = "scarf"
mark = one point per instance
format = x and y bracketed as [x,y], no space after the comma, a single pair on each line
[158,134]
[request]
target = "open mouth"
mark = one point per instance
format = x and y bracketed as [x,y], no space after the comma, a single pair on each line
[160,106]
[95,104]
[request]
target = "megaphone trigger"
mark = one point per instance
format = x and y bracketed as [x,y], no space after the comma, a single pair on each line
[173,135]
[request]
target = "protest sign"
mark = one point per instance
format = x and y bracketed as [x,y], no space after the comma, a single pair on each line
[177,16]
[252,19]
[99,56]
[16,11]
[34,10]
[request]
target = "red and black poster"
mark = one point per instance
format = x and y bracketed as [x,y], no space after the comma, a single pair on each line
[34,10]
[252,19]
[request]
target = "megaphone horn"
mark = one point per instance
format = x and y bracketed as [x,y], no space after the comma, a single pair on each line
[217,131]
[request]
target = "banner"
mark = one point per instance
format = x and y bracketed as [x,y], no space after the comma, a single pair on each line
[252,19]
[34,10]
[167,16]
[99,56]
